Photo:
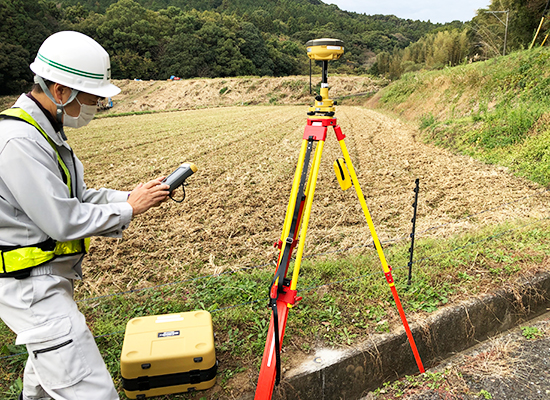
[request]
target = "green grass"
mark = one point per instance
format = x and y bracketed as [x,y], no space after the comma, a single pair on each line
[501,120]
[531,332]
[345,297]
[125,114]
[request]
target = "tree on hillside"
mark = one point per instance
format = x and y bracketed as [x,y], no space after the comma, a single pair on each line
[253,47]
[220,54]
[134,37]
[290,19]
[27,22]
[15,74]
[489,27]
[481,39]
[434,51]
[75,14]
[447,48]
[204,46]
[25,25]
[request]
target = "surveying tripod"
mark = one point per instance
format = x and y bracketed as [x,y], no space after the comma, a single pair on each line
[283,293]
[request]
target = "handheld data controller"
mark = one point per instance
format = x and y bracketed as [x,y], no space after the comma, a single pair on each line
[178,177]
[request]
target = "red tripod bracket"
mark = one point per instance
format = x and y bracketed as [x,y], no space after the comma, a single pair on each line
[317,128]
[339,134]
[287,296]
[389,276]
[279,244]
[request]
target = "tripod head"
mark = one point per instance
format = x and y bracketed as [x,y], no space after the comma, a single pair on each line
[324,50]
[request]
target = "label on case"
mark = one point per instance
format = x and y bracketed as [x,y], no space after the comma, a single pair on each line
[168,334]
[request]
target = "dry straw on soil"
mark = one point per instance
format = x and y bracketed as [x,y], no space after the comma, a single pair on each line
[236,201]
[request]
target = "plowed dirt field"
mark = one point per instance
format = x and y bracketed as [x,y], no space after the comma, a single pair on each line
[236,202]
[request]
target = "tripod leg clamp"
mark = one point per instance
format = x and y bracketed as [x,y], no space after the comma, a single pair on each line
[287,296]
[339,134]
[389,276]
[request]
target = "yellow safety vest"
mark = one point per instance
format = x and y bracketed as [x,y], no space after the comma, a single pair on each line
[17,261]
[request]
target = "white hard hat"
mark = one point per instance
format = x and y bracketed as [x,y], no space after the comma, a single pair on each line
[77,61]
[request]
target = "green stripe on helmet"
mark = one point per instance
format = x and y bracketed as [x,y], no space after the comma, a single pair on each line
[69,69]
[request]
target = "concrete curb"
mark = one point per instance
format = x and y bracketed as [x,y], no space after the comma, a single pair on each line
[351,374]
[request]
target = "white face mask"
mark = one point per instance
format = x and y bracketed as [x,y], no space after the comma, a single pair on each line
[86,114]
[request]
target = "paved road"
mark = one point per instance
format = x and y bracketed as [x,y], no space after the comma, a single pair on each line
[511,366]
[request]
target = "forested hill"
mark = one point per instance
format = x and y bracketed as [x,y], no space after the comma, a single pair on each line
[155,39]
[297,18]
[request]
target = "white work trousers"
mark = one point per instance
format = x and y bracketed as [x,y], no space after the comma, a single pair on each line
[64,362]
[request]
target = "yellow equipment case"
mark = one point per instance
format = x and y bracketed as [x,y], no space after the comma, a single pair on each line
[165,354]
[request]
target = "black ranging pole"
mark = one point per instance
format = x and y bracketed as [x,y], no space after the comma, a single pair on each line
[413,220]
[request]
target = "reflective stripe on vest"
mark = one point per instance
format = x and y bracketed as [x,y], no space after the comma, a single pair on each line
[18,113]
[22,259]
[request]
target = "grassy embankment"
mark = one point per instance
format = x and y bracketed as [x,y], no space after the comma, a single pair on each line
[496,111]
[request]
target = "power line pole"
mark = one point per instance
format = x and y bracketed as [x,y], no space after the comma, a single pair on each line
[507,12]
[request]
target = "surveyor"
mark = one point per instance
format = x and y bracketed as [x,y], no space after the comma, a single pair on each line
[47,215]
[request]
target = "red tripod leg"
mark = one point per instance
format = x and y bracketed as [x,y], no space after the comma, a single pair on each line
[268,370]
[266,380]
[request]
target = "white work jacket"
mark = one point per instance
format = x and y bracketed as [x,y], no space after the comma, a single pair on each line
[35,203]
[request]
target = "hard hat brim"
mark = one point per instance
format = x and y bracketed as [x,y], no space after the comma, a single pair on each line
[108,90]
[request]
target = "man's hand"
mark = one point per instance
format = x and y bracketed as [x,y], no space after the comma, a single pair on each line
[147,195]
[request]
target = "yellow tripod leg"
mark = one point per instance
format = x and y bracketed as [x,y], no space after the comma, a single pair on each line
[292,201]
[378,246]
[363,203]
[311,184]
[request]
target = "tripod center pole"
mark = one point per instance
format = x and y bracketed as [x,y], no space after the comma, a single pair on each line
[324,81]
